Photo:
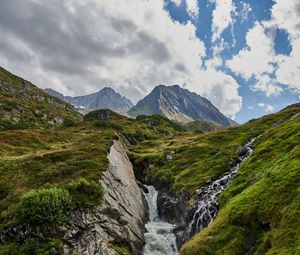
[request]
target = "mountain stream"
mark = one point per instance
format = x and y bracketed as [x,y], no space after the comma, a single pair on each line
[159,238]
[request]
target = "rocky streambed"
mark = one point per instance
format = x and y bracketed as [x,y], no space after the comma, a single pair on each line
[189,220]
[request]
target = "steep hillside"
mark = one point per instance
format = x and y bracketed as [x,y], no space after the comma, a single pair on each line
[72,160]
[105,98]
[23,105]
[260,209]
[179,105]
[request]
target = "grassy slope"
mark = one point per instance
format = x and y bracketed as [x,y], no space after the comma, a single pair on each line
[261,208]
[260,211]
[31,159]
[200,157]
[202,125]
[23,105]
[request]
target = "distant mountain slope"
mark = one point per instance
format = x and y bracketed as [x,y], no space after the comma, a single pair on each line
[203,125]
[180,105]
[24,105]
[107,98]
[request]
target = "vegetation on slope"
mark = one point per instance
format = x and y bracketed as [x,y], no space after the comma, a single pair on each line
[260,210]
[31,159]
[202,125]
[200,157]
[23,105]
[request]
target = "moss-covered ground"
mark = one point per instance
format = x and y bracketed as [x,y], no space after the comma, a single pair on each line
[260,210]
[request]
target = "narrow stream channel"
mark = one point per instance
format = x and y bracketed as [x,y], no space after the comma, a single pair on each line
[207,204]
[159,238]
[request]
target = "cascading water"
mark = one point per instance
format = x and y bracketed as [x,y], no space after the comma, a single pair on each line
[159,238]
[206,207]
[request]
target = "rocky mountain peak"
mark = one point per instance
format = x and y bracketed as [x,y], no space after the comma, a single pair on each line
[180,105]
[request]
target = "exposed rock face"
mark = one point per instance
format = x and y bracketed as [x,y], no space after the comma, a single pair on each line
[180,105]
[105,98]
[23,105]
[119,219]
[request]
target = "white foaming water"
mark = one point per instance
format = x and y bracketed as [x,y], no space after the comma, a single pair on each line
[159,238]
[207,204]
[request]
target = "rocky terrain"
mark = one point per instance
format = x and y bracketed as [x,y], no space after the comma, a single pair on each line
[107,98]
[22,104]
[180,105]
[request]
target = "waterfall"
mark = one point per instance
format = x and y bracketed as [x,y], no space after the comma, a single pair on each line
[206,207]
[159,238]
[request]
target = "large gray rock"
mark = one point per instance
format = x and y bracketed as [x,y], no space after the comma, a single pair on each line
[121,216]
[119,219]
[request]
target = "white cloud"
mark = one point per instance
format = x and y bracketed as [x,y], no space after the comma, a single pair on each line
[129,45]
[267,107]
[257,60]
[177,2]
[250,107]
[192,8]
[220,88]
[222,17]
[244,12]
[285,15]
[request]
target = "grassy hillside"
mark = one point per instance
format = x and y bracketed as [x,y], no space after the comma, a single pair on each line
[202,125]
[260,210]
[23,105]
[33,159]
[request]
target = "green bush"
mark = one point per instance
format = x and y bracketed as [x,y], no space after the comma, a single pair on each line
[51,206]
[30,248]
[69,122]
[85,193]
[102,124]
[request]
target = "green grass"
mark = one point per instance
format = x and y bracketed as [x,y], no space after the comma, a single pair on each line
[260,211]
[120,249]
[23,105]
[30,248]
[34,159]
[199,157]
[45,206]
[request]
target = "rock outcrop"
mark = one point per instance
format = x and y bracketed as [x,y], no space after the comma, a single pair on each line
[119,219]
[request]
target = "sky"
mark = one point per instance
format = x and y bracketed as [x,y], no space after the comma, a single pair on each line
[244,56]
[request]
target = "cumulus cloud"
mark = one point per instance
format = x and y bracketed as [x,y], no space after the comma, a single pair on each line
[177,2]
[192,8]
[257,60]
[222,17]
[78,47]
[267,107]
[285,15]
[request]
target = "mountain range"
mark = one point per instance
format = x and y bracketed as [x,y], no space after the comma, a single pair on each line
[173,102]
[105,98]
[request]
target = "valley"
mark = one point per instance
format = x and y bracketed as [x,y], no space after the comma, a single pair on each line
[107,184]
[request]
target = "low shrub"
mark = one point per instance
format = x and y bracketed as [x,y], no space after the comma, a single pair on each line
[46,206]
[31,248]
[85,193]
